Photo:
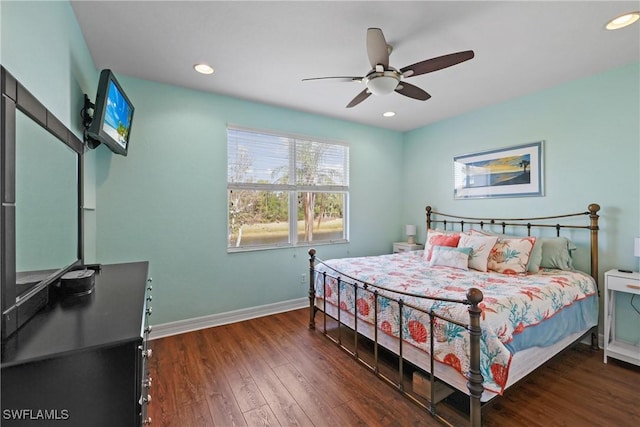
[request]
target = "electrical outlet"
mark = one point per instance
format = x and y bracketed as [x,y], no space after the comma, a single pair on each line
[303,279]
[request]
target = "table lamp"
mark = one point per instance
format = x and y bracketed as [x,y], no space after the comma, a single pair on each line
[411,232]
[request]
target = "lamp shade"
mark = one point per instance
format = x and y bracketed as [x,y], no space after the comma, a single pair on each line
[411,231]
[636,247]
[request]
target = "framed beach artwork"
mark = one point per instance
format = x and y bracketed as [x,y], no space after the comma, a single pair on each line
[505,172]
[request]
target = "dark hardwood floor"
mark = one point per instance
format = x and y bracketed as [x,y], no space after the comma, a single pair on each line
[274,371]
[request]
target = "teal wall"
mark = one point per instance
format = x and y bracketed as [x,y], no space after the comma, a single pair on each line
[166,201]
[591,130]
[42,46]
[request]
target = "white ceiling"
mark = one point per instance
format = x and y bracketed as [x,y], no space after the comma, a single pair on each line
[262,50]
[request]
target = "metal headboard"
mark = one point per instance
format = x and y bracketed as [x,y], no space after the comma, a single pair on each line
[460,222]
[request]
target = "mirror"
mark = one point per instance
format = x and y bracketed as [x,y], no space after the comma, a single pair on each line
[46,203]
[41,193]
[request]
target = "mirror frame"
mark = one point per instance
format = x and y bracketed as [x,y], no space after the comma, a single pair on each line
[17,311]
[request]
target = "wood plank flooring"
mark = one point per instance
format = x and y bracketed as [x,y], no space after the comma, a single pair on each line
[274,371]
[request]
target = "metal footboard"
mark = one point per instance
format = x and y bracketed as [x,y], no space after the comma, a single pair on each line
[473,298]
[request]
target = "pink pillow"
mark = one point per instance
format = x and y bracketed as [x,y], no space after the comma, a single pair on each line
[439,238]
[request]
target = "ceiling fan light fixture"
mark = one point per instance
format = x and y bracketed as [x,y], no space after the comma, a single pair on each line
[382,83]
[623,21]
[389,114]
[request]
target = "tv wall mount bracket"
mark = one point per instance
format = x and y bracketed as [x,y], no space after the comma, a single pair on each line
[87,118]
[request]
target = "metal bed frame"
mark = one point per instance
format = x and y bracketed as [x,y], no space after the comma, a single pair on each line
[473,298]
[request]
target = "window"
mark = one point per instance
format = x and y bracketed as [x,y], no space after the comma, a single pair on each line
[285,190]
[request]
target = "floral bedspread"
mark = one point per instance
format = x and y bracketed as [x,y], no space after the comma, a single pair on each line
[510,304]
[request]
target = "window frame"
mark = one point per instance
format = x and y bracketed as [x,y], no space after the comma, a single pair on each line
[292,189]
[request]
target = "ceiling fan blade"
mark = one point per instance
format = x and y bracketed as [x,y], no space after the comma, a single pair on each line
[359,98]
[339,78]
[435,64]
[412,91]
[377,48]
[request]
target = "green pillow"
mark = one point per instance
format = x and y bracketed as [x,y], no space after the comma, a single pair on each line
[536,257]
[556,253]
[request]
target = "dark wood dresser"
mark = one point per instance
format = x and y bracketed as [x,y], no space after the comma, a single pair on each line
[82,361]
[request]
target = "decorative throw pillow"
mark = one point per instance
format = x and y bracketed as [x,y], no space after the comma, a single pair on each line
[511,255]
[536,253]
[482,232]
[556,253]
[439,238]
[450,257]
[481,246]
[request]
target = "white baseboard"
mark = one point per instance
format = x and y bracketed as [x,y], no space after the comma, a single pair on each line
[189,325]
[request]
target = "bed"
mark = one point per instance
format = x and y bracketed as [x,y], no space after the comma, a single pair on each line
[490,299]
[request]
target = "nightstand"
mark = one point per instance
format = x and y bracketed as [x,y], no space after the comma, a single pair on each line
[406,247]
[614,282]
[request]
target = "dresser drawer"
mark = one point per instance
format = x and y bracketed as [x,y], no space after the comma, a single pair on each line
[623,284]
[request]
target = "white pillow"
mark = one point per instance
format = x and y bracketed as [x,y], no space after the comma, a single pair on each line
[481,246]
[450,257]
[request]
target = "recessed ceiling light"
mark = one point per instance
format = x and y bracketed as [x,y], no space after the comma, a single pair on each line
[203,68]
[623,20]
[389,114]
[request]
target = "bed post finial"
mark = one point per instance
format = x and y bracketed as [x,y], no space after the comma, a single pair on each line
[312,288]
[428,209]
[474,377]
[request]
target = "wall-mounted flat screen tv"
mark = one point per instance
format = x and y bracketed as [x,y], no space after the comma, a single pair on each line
[113,114]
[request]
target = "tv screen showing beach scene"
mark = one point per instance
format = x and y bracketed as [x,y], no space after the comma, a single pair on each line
[118,115]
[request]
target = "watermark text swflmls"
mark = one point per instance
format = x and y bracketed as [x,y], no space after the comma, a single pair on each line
[35,414]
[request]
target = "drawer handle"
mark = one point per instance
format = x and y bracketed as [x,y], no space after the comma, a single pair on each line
[147,353]
[146,399]
[148,329]
[149,311]
[147,421]
[633,287]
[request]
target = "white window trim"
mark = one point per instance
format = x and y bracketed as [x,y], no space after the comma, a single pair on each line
[293,190]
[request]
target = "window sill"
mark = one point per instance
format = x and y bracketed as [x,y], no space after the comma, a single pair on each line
[300,245]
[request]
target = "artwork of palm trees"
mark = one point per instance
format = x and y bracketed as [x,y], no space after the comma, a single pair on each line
[514,171]
[504,171]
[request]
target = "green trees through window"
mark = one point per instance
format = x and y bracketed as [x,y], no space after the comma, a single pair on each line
[285,190]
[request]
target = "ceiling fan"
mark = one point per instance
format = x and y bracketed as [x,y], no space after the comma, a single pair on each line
[383,79]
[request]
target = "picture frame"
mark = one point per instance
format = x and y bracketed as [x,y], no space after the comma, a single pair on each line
[505,172]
